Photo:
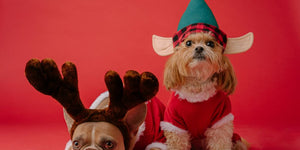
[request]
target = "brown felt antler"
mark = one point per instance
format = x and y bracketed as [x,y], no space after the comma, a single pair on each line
[45,77]
[137,89]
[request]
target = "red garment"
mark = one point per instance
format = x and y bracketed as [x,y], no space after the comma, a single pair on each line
[195,118]
[152,132]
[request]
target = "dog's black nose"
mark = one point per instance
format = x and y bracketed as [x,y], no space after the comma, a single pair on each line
[199,49]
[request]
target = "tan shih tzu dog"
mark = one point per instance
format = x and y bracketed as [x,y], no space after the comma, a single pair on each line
[201,77]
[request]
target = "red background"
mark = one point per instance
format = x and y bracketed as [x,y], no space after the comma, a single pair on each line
[102,35]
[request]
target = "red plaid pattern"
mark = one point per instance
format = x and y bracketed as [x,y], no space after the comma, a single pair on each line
[199,27]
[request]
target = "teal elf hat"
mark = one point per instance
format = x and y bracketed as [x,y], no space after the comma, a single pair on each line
[198,17]
[197,12]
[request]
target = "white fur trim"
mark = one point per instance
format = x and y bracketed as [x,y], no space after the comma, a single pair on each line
[166,126]
[99,99]
[140,132]
[223,121]
[208,91]
[68,145]
[156,145]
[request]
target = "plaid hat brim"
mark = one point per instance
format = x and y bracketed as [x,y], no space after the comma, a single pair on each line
[180,36]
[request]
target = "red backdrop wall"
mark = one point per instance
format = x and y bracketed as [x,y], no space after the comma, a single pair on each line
[102,35]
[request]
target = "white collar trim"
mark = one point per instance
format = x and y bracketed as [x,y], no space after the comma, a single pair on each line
[208,91]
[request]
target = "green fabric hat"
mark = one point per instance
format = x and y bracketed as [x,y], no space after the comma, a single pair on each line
[197,12]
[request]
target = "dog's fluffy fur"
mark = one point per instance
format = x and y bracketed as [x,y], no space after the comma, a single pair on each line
[191,71]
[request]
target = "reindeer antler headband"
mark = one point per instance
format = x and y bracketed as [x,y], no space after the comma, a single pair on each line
[45,77]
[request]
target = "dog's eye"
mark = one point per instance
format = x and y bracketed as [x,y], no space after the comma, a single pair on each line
[109,144]
[76,145]
[210,44]
[188,43]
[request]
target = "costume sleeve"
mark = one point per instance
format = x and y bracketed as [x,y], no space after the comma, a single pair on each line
[157,109]
[172,120]
[223,113]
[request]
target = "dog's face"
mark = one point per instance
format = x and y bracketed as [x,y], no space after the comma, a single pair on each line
[104,135]
[199,57]
[97,136]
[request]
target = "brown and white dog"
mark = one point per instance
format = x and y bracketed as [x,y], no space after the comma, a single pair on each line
[148,136]
[112,124]
[91,132]
[198,116]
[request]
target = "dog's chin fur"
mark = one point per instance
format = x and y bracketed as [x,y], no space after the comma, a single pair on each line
[189,74]
[200,70]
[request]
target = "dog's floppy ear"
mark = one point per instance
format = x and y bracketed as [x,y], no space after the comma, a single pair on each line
[68,119]
[135,117]
[100,103]
[239,44]
[226,79]
[172,77]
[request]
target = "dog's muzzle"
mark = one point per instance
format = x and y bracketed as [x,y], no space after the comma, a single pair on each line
[198,54]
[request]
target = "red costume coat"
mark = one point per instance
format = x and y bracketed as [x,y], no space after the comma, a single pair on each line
[195,118]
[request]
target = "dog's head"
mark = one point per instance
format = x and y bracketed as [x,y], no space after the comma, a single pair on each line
[113,127]
[199,56]
[105,135]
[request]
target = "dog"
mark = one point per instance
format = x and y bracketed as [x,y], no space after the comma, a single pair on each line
[198,115]
[92,132]
[148,136]
[112,123]
[200,76]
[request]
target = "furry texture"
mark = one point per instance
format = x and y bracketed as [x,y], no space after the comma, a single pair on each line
[156,146]
[177,141]
[224,120]
[220,138]
[208,90]
[177,138]
[196,70]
